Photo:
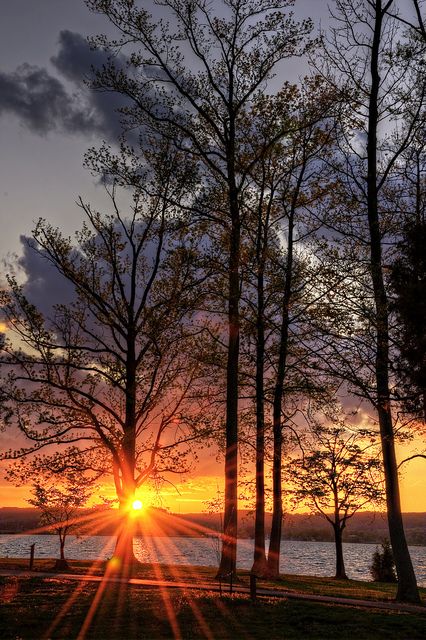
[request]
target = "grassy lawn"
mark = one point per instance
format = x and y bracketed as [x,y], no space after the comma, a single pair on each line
[58,608]
[300,584]
[54,607]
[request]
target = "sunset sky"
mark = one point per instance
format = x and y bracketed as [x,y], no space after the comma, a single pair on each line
[48,119]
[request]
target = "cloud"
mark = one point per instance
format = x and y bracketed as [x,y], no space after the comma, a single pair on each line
[75,62]
[65,102]
[44,286]
[75,58]
[42,103]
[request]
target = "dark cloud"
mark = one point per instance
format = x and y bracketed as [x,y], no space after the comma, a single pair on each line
[75,58]
[45,102]
[44,286]
[42,102]
[75,62]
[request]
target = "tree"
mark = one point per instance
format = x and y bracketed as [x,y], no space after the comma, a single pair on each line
[370,65]
[109,379]
[60,501]
[204,114]
[302,189]
[287,180]
[383,566]
[337,474]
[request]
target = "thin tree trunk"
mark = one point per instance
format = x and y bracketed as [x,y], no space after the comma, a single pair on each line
[123,554]
[277,514]
[259,561]
[61,563]
[228,561]
[407,586]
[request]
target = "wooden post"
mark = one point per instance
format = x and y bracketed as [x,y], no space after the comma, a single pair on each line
[253,587]
[32,556]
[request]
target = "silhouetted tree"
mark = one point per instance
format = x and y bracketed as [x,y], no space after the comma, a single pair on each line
[60,501]
[378,78]
[337,474]
[233,48]
[111,378]
[383,566]
[287,181]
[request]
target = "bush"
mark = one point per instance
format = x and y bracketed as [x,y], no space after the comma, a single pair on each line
[383,566]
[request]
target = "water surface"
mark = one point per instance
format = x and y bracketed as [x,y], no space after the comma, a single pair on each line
[303,558]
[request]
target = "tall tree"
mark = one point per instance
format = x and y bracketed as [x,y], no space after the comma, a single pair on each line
[287,183]
[233,49]
[365,58]
[107,377]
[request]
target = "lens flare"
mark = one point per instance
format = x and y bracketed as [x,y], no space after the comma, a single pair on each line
[137,505]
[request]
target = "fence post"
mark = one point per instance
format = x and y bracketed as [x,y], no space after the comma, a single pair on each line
[32,556]
[253,587]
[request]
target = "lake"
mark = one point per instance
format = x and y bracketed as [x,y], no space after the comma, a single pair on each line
[303,558]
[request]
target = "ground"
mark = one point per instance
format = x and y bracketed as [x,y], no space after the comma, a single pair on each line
[57,607]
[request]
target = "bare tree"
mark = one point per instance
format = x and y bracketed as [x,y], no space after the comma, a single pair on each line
[110,378]
[233,49]
[337,474]
[289,181]
[366,59]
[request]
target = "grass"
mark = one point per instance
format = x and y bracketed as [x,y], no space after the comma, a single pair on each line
[54,607]
[298,584]
[31,604]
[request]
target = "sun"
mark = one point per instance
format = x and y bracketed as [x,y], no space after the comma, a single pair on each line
[137,505]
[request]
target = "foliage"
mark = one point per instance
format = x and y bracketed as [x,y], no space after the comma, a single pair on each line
[408,277]
[383,565]
[110,377]
[197,79]
[60,500]
[338,470]
[337,473]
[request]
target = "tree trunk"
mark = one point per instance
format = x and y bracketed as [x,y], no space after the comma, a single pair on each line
[228,561]
[277,514]
[259,562]
[340,563]
[61,564]
[407,586]
[259,567]
[124,556]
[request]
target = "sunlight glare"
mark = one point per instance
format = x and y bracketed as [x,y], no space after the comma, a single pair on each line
[137,505]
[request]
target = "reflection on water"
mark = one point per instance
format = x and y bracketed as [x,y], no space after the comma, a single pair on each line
[303,558]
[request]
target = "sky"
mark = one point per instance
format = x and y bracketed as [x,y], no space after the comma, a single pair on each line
[48,119]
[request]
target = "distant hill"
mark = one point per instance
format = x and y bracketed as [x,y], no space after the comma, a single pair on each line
[363,527]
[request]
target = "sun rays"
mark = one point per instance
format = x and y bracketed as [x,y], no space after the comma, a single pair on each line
[113,594]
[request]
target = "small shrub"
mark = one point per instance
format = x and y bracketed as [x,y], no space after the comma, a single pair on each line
[382,567]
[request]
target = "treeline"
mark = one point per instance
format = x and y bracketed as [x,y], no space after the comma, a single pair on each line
[255,282]
[365,527]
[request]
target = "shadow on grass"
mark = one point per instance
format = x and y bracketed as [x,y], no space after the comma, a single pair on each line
[29,605]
